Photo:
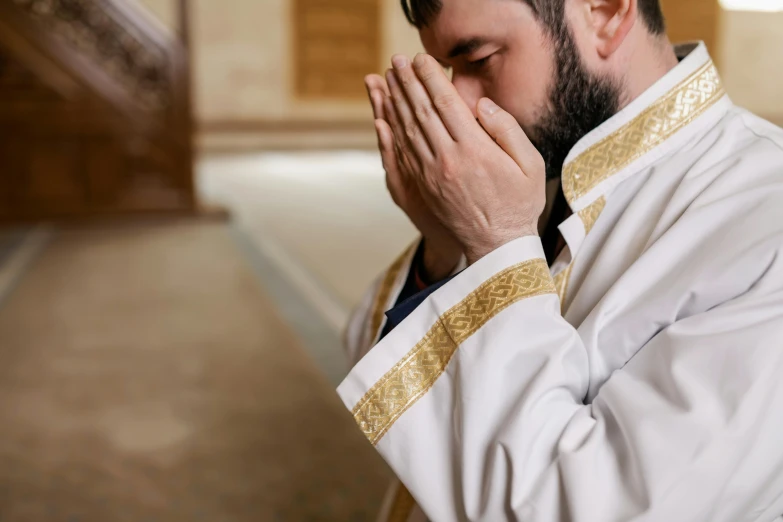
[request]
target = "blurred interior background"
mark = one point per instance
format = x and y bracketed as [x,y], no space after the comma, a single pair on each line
[191,203]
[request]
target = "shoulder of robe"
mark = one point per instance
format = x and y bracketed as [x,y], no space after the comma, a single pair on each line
[743,168]
[732,218]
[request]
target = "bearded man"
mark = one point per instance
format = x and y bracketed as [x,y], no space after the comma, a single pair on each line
[590,327]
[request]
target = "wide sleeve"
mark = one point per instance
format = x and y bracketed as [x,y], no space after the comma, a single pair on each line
[368,319]
[477,402]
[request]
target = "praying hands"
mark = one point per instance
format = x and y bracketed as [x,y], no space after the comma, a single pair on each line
[470,187]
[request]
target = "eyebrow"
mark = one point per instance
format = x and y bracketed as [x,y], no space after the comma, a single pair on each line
[466,46]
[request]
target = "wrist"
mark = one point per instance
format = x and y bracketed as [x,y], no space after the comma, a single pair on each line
[476,251]
[438,261]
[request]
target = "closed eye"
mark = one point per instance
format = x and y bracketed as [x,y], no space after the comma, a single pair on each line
[480,63]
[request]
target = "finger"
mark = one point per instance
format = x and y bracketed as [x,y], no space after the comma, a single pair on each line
[507,133]
[391,156]
[421,104]
[376,89]
[376,100]
[453,112]
[400,138]
[386,146]
[397,174]
[376,81]
[405,165]
[410,127]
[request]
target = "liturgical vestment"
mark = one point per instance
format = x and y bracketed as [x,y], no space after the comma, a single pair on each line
[640,376]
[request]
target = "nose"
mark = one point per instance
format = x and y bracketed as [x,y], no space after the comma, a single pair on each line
[470,90]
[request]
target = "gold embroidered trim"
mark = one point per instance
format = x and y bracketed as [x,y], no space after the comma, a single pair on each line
[649,129]
[589,215]
[418,370]
[384,292]
[561,284]
[403,505]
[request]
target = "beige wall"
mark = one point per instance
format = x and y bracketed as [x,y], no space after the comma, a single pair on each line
[164,10]
[400,36]
[751,61]
[747,46]
[241,60]
[241,54]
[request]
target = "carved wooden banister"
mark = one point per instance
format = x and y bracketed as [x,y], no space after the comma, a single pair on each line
[124,77]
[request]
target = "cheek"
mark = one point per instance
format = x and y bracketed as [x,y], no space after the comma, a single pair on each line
[522,83]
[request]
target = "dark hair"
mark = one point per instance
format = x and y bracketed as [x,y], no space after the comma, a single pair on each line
[551,12]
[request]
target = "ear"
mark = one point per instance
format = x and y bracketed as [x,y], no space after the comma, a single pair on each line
[612,20]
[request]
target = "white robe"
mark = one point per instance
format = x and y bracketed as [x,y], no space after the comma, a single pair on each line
[641,377]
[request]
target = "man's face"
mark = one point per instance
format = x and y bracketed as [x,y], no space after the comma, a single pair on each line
[496,49]
[501,50]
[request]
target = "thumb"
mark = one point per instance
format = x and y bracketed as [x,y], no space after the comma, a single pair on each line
[507,133]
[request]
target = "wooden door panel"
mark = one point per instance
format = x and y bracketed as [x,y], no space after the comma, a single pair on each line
[55,178]
[338,42]
[12,170]
[106,171]
[692,20]
[81,82]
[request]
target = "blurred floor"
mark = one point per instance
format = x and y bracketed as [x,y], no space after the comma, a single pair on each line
[144,376]
[325,217]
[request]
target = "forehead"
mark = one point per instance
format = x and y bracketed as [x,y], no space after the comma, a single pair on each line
[491,20]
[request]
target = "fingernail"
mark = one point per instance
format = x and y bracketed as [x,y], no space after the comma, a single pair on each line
[399,61]
[487,106]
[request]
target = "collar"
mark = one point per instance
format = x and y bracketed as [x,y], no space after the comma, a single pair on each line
[639,134]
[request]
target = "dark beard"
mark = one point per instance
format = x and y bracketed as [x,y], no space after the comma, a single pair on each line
[578,103]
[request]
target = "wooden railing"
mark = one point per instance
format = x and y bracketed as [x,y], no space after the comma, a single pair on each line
[100,118]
